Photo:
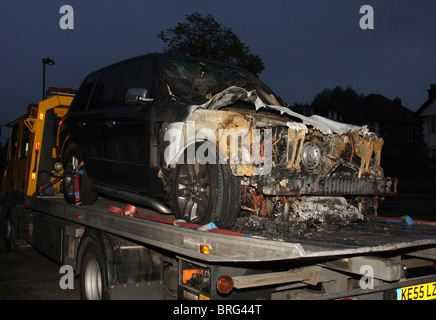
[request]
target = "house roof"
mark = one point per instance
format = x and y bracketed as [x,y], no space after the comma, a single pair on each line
[431,98]
[374,107]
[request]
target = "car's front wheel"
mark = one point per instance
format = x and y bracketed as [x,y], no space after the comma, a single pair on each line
[203,193]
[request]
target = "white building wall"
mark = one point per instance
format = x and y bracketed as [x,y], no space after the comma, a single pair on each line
[428,115]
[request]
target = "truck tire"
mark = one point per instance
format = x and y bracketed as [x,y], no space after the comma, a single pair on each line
[93,271]
[203,193]
[73,169]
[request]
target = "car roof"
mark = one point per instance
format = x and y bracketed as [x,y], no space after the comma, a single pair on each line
[157,56]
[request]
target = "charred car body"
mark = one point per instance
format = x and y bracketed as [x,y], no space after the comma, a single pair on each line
[204,140]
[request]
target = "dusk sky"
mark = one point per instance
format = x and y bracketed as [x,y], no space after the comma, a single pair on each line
[306,46]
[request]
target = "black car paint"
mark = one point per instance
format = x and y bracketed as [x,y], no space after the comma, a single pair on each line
[123,145]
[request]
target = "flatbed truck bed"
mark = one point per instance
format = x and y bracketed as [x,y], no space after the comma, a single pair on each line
[163,231]
[333,266]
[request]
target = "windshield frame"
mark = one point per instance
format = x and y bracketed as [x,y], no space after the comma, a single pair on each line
[196,81]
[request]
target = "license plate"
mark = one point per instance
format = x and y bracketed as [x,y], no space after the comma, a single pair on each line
[425,291]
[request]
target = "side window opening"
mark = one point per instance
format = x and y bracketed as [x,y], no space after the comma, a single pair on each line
[137,74]
[13,143]
[24,146]
[82,98]
[106,90]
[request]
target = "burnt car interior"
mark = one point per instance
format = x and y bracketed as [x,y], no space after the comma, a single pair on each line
[196,82]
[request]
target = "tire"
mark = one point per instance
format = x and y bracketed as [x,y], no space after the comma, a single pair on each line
[93,272]
[203,193]
[73,169]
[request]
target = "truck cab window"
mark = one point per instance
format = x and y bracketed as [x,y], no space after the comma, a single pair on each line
[24,145]
[13,142]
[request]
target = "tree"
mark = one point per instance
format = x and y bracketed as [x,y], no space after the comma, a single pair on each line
[336,95]
[203,37]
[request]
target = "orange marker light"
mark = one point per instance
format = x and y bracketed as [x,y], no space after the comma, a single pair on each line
[33,175]
[41,116]
[37,146]
[204,249]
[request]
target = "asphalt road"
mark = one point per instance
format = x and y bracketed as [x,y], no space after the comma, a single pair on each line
[29,275]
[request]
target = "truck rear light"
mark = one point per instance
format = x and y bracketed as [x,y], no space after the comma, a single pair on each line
[224,284]
[41,116]
[33,176]
[189,274]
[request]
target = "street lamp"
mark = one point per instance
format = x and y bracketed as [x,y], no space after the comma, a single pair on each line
[45,61]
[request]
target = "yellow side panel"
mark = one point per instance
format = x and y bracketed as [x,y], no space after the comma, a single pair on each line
[43,106]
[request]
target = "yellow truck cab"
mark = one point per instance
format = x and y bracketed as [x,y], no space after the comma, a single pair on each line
[32,146]
[31,155]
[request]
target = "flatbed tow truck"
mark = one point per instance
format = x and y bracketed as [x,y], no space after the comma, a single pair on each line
[126,252]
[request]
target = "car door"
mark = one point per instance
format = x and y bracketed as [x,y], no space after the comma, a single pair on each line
[130,145]
[82,126]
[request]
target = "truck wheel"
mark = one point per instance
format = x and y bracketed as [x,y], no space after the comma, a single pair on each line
[203,193]
[93,281]
[73,170]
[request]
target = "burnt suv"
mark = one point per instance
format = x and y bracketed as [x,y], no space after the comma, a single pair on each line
[205,140]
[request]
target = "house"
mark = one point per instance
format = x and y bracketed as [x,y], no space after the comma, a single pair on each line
[427,112]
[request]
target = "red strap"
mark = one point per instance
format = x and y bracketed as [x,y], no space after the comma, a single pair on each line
[76,183]
[222,231]
[116,210]
[130,210]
